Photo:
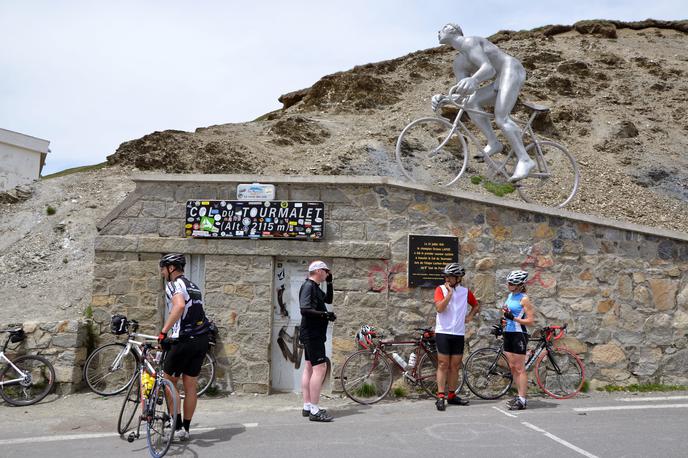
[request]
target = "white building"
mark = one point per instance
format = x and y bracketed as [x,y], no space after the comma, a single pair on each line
[21,158]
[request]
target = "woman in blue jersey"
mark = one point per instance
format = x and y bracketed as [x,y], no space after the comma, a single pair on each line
[518,313]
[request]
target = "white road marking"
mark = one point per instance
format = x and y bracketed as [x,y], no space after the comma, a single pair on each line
[76,437]
[657,398]
[634,407]
[558,439]
[66,437]
[505,412]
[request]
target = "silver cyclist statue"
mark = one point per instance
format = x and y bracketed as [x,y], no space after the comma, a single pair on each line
[477,61]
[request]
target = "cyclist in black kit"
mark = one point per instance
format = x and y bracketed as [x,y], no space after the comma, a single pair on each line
[314,320]
[188,329]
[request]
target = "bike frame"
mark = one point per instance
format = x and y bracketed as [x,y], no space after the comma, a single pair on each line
[8,361]
[544,343]
[132,345]
[459,126]
[152,396]
[419,346]
[16,369]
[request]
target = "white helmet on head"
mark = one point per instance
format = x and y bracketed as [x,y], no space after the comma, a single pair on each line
[517,277]
[454,269]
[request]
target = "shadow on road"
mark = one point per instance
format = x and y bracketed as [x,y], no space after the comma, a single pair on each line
[341,412]
[204,439]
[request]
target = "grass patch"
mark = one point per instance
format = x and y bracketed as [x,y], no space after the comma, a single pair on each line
[50,210]
[642,388]
[586,387]
[84,168]
[366,390]
[498,189]
[399,392]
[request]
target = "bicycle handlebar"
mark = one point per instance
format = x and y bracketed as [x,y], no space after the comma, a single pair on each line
[555,331]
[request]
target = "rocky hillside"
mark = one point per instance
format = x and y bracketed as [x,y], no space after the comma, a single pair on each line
[618,94]
[617,91]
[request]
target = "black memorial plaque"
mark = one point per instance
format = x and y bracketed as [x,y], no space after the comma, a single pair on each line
[255,219]
[427,257]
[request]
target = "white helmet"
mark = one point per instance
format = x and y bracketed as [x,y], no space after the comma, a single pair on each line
[454,269]
[517,277]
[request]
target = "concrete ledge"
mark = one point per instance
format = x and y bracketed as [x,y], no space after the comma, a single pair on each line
[330,180]
[143,244]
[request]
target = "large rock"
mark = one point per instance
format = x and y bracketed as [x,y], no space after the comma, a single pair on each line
[608,355]
[605,29]
[663,293]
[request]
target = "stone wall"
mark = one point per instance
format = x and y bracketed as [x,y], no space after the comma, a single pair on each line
[63,343]
[622,288]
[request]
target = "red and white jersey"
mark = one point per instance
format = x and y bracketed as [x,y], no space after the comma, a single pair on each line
[453,319]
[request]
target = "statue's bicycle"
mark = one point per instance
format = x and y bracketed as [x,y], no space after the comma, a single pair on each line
[434,151]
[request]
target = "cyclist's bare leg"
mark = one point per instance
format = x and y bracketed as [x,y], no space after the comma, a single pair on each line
[316,381]
[518,372]
[190,396]
[442,371]
[453,377]
[510,82]
[485,96]
[305,382]
[174,381]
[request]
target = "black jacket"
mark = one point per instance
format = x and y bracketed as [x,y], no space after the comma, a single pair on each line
[314,321]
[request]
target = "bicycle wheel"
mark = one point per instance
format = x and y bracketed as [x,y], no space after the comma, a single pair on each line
[427,374]
[554,180]
[427,155]
[29,386]
[105,375]
[366,377]
[205,378]
[130,406]
[161,418]
[560,373]
[487,373]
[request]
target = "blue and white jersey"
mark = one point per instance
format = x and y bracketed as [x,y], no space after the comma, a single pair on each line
[513,302]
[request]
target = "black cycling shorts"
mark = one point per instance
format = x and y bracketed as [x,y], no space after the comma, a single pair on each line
[315,352]
[449,344]
[186,356]
[515,342]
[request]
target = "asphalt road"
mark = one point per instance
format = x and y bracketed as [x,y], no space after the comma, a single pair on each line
[598,425]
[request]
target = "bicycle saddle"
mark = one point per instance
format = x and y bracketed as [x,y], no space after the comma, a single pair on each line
[536,107]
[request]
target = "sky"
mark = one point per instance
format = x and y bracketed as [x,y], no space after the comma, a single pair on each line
[89,75]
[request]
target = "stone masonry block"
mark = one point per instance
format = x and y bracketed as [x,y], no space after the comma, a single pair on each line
[175,210]
[352,230]
[152,208]
[171,228]
[119,226]
[304,194]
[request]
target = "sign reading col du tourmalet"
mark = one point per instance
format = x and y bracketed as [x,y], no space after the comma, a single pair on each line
[268,219]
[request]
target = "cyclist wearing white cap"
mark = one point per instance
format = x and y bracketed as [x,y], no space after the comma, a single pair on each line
[314,320]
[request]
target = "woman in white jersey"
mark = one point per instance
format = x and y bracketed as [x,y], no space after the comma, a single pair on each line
[451,303]
[518,313]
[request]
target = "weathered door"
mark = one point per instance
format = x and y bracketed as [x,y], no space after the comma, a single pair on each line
[286,351]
